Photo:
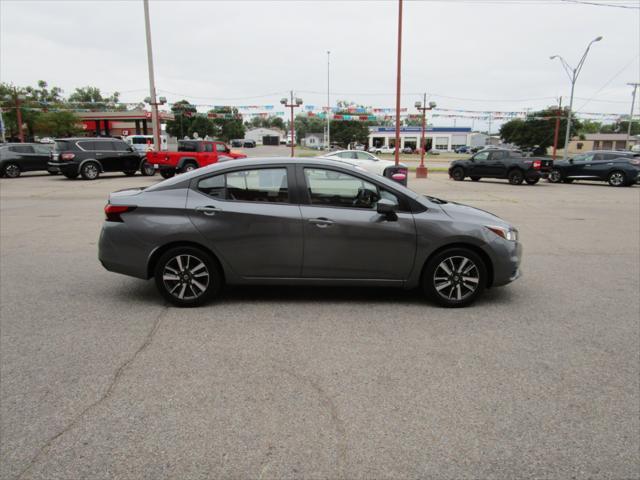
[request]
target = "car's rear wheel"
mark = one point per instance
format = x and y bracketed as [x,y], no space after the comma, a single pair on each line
[188,276]
[458,174]
[532,180]
[454,277]
[188,167]
[617,179]
[555,176]
[11,170]
[147,169]
[515,177]
[167,173]
[90,171]
[476,179]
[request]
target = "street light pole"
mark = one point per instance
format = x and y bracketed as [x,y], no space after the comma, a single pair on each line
[572,73]
[421,171]
[633,102]
[155,120]
[292,105]
[398,77]
[557,129]
[328,144]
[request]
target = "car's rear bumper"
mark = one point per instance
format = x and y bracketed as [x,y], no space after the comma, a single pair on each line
[63,167]
[120,251]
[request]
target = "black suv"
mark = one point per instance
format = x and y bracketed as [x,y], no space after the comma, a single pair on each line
[16,158]
[89,157]
[617,168]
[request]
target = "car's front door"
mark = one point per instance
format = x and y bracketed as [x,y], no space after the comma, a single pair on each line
[479,165]
[247,218]
[127,156]
[106,154]
[345,237]
[578,166]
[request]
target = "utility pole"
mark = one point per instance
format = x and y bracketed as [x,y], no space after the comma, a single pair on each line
[557,130]
[421,170]
[328,144]
[155,120]
[398,77]
[292,105]
[17,98]
[572,73]
[633,102]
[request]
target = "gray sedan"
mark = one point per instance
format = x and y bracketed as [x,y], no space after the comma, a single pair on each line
[283,221]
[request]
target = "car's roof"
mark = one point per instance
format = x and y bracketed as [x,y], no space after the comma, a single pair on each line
[616,152]
[75,139]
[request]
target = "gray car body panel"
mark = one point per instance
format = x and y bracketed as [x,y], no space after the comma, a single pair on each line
[274,243]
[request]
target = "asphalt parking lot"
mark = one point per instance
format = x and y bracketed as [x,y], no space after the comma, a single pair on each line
[101,379]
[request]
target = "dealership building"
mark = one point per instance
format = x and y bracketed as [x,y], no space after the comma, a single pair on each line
[438,138]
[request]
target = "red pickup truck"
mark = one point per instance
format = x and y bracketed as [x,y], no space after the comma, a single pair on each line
[191,154]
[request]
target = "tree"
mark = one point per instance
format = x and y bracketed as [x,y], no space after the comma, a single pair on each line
[57,124]
[184,114]
[538,129]
[91,98]
[622,127]
[228,128]
[590,126]
[346,132]
[305,124]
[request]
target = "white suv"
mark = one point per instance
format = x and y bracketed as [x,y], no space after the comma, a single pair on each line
[372,164]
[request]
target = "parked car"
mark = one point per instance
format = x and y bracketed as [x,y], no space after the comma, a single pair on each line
[89,157]
[501,163]
[433,151]
[282,221]
[617,168]
[246,143]
[379,150]
[372,164]
[463,149]
[407,150]
[191,154]
[145,143]
[236,143]
[16,158]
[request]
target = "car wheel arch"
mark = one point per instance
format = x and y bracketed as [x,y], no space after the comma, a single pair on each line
[186,160]
[157,253]
[91,160]
[469,246]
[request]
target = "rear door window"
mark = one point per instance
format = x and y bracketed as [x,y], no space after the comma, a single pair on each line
[22,149]
[265,185]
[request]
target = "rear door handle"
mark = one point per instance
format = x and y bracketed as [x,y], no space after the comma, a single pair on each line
[321,222]
[208,210]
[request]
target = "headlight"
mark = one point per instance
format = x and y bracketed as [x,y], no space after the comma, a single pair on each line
[510,234]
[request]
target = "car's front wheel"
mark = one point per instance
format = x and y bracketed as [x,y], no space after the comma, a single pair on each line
[457,174]
[454,277]
[188,276]
[147,169]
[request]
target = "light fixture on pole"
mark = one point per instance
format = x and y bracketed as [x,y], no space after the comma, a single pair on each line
[421,171]
[295,102]
[573,76]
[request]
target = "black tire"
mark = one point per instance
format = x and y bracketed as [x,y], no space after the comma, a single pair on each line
[167,173]
[11,170]
[532,180]
[617,179]
[197,284]
[90,171]
[454,289]
[476,179]
[555,176]
[147,169]
[70,175]
[188,167]
[516,177]
[129,173]
[458,174]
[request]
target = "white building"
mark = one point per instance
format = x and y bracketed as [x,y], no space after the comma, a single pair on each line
[264,136]
[438,138]
[314,140]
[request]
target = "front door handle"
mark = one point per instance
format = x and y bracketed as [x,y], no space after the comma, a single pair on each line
[321,222]
[208,210]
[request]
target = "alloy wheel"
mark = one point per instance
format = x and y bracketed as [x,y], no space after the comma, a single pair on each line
[616,179]
[554,176]
[456,278]
[12,170]
[185,277]
[90,171]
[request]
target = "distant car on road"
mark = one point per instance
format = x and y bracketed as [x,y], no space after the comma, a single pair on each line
[89,157]
[372,164]
[617,168]
[433,151]
[408,150]
[379,150]
[501,163]
[247,143]
[288,221]
[16,158]
[463,149]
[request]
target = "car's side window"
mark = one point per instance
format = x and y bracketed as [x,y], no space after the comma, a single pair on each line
[481,157]
[86,145]
[364,156]
[269,185]
[22,149]
[208,147]
[336,189]
[221,147]
[42,149]
[121,146]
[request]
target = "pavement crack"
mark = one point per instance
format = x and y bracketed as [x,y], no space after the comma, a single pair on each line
[105,396]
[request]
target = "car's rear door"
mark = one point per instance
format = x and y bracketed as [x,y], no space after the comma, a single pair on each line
[41,156]
[24,156]
[497,163]
[250,219]
[344,236]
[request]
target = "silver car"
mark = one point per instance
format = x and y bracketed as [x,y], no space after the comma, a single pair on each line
[284,221]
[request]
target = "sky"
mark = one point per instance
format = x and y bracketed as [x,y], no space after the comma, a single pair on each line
[465,54]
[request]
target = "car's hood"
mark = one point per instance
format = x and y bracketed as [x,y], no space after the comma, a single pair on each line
[465,213]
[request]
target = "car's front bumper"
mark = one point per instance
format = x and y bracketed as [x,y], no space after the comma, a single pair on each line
[506,257]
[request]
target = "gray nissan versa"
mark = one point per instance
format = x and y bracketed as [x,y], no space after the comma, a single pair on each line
[290,221]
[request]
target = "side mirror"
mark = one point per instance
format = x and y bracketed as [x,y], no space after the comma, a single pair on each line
[387,208]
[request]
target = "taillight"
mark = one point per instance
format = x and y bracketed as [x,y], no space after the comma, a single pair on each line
[113,212]
[634,162]
[537,164]
[67,156]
